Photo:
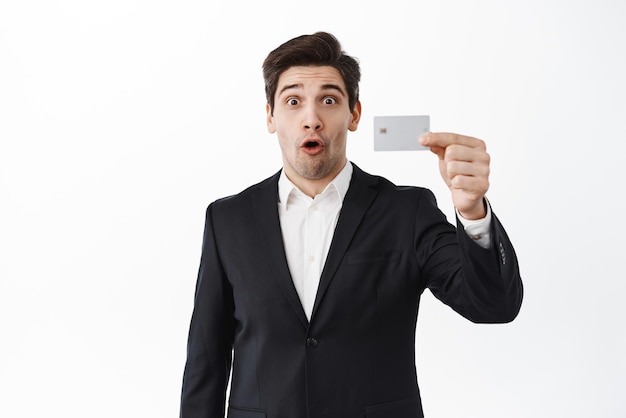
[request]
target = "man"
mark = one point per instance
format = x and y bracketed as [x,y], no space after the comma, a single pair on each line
[309,282]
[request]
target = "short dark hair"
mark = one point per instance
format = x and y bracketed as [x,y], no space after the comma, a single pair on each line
[318,49]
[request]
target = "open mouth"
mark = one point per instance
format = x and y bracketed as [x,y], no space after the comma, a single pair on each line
[312,146]
[312,143]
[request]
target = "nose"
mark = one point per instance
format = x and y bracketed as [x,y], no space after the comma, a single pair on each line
[311,120]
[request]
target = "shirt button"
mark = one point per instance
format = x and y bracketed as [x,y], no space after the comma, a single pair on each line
[311,342]
[311,258]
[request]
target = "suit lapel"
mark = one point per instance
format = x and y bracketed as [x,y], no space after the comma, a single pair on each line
[360,196]
[265,206]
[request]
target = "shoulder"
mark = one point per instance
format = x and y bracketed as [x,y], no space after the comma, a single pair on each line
[385,186]
[265,190]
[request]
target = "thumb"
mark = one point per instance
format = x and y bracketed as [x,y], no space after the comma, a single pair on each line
[435,149]
[439,151]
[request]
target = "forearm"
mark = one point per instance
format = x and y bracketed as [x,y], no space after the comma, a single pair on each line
[481,284]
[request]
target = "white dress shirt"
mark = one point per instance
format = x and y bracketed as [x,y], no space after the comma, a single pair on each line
[308,226]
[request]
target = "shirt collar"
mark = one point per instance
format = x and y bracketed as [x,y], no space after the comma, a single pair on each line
[340,183]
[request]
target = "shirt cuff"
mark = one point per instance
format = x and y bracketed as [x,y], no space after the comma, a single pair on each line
[478,229]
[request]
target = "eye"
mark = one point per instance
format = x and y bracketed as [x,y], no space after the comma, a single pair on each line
[329,100]
[292,101]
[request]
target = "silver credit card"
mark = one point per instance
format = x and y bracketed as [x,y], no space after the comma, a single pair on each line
[400,133]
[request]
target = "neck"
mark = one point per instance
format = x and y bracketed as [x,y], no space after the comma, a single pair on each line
[312,187]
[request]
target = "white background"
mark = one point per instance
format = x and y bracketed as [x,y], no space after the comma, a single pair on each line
[121,120]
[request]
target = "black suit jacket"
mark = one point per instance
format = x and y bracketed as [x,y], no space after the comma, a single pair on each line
[356,356]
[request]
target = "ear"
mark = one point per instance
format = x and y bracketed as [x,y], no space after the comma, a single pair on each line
[270,119]
[356,117]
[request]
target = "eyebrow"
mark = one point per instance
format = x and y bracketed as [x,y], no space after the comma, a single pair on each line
[324,87]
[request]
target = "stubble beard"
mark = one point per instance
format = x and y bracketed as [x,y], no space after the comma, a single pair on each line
[312,168]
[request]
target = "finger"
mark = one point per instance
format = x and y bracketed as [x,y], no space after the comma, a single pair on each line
[465,153]
[463,168]
[440,152]
[473,186]
[445,139]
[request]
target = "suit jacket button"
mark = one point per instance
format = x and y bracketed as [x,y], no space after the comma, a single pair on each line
[311,342]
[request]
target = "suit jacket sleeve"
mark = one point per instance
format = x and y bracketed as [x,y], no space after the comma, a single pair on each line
[211,334]
[484,285]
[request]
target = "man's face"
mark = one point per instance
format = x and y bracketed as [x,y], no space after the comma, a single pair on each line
[311,119]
